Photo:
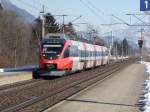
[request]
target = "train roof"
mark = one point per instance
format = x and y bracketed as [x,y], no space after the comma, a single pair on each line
[57,35]
[85,42]
[62,37]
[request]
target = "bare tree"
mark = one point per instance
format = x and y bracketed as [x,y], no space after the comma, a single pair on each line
[17,43]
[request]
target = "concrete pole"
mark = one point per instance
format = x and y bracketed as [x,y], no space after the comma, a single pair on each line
[43,26]
[43,21]
[63,27]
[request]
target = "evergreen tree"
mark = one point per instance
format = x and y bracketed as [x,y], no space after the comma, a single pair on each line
[69,29]
[125,46]
[51,26]
[116,50]
[37,29]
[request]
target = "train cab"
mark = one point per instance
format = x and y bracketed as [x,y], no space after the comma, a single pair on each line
[51,53]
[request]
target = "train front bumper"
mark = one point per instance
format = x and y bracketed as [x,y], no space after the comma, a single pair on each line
[43,72]
[54,73]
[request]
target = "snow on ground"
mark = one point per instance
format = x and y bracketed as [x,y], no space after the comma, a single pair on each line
[145,100]
[1,70]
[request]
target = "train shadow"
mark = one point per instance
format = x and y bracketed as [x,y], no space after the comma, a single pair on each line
[49,77]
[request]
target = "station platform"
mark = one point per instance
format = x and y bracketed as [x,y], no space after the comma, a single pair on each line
[12,77]
[117,93]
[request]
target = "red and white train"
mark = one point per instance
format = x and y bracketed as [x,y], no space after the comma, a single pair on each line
[60,56]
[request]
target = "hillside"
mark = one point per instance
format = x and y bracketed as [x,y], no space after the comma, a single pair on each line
[17,39]
[23,14]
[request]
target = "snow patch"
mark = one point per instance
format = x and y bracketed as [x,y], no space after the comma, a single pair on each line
[144,102]
[1,70]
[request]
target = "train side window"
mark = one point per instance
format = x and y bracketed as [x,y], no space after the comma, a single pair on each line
[88,54]
[66,53]
[74,52]
[79,53]
[103,53]
[107,52]
[82,53]
[94,53]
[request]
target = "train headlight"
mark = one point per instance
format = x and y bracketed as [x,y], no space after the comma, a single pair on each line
[58,55]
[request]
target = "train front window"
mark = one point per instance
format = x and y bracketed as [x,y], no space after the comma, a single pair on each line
[52,51]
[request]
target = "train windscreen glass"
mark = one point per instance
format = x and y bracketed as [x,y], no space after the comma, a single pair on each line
[52,49]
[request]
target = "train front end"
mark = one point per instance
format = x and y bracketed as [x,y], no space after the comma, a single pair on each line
[51,58]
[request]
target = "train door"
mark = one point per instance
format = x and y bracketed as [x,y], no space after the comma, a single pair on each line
[74,53]
[92,55]
[81,56]
[88,57]
[84,56]
[105,56]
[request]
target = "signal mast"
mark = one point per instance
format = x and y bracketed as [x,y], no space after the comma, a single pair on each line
[140,42]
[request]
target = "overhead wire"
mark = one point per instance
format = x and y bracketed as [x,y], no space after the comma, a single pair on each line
[98,12]
[94,7]
[41,4]
[92,10]
[53,12]
[36,8]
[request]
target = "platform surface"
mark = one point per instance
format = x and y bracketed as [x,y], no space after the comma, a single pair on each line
[118,93]
[12,77]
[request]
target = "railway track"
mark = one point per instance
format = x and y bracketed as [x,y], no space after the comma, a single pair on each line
[41,94]
[18,84]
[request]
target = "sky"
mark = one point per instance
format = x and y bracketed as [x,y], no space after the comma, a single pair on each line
[95,12]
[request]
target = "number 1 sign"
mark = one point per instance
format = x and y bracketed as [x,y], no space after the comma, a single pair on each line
[144,5]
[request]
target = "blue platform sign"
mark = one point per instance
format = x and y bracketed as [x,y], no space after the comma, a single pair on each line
[144,5]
